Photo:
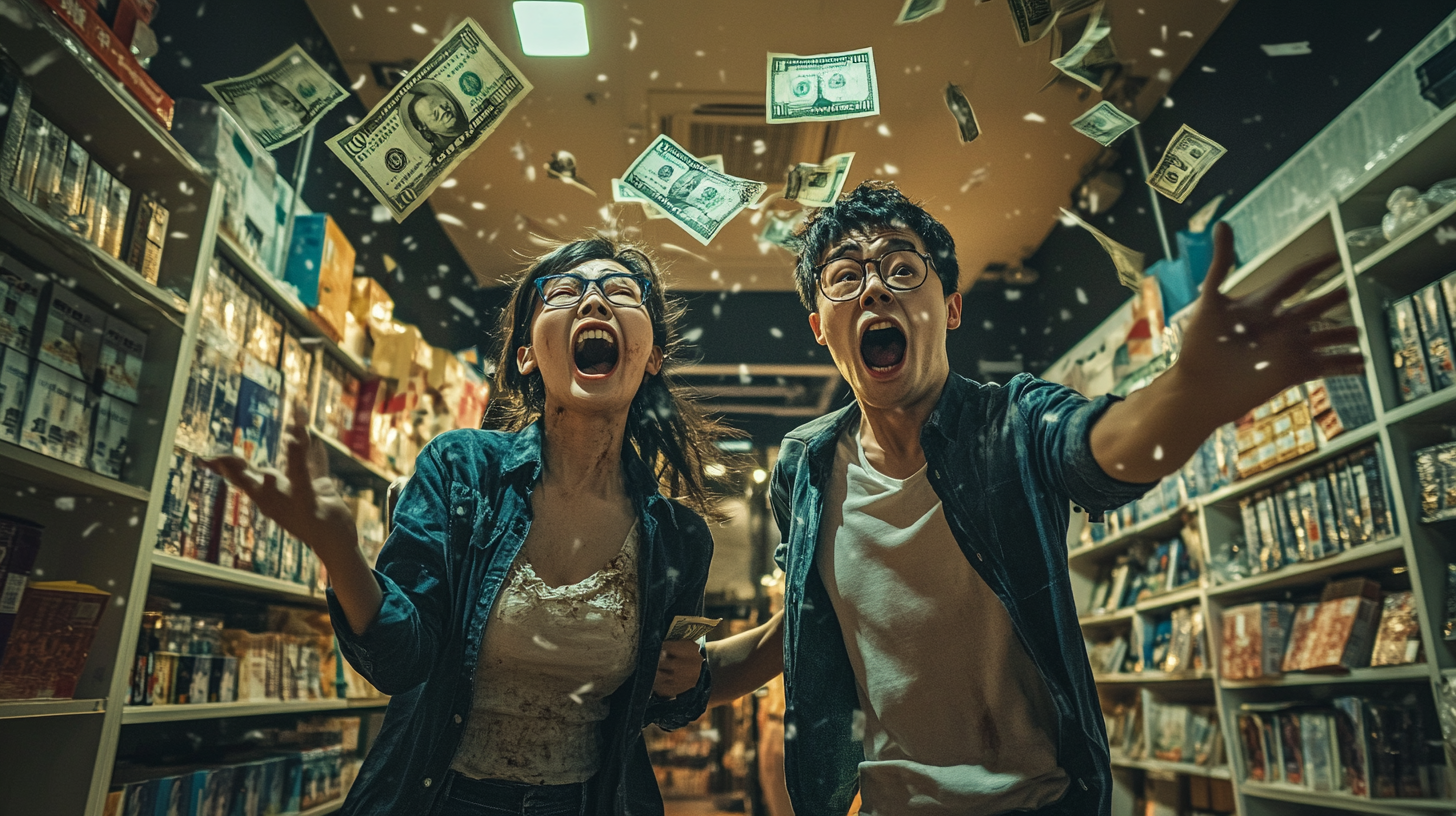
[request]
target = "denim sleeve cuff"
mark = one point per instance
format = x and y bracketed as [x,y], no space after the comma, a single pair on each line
[391,642]
[677,712]
[1087,483]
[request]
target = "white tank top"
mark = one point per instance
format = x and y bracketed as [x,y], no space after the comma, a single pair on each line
[549,659]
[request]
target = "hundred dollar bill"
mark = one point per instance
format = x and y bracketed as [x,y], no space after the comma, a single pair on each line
[696,197]
[822,88]
[428,123]
[1103,123]
[623,193]
[1089,60]
[1129,262]
[960,108]
[916,10]
[1034,18]
[280,101]
[818,185]
[684,627]
[780,232]
[1187,158]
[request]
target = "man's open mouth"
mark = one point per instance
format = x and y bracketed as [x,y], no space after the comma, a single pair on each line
[596,352]
[882,346]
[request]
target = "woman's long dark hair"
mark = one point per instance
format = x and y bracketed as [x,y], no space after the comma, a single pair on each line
[666,427]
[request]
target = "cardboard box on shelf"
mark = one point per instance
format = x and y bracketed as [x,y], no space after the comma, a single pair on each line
[321,267]
[52,635]
[110,437]
[14,385]
[123,348]
[209,133]
[70,334]
[57,417]
[21,291]
[116,56]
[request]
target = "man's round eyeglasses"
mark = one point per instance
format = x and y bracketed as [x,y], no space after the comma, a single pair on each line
[566,290]
[845,279]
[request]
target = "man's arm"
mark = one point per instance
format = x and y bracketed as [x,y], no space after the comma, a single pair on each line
[742,663]
[1236,354]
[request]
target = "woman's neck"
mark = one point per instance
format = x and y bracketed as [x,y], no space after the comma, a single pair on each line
[581,452]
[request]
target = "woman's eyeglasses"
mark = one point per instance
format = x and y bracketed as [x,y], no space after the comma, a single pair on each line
[567,289]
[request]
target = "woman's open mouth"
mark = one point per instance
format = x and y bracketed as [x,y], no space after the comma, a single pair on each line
[882,347]
[596,353]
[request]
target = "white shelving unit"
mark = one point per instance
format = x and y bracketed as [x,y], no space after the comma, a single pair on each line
[56,756]
[1419,257]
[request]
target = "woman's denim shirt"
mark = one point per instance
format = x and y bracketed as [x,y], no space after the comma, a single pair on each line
[1005,462]
[458,526]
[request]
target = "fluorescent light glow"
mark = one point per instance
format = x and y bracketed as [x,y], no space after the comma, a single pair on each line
[551,29]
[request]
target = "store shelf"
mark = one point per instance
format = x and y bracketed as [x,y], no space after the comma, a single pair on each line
[131,715]
[22,709]
[178,570]
[1141,678]
[1437,406]
[59,250]
[1422,247]
[1212,772]
[1343,801]
[288,303]
[1167,599]
[1108,618]
[1367,556]
[1375,674]
[1167,522]
[27,467]
[347,464]
[1344,443]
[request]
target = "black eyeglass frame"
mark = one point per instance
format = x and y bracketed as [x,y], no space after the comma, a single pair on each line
[586,285]
[865,274]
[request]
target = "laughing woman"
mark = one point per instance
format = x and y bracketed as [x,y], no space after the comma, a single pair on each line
[518,608]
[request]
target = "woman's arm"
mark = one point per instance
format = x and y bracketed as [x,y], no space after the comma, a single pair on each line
[741,664]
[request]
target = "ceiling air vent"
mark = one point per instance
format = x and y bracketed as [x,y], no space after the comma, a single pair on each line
[733,125]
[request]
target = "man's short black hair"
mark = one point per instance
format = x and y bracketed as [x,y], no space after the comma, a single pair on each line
[872,204]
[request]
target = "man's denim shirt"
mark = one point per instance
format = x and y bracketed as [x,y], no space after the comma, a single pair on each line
[1004,462]
[458,526]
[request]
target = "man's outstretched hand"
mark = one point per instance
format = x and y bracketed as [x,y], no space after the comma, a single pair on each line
[1236,354]
[1239,352]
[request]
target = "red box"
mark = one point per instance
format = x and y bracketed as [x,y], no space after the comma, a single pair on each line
[108,48]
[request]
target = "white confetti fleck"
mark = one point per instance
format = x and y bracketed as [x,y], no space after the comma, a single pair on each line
[1081,296]
[777,332]
[359,83]
[1034,117]
[91,528]
[693,335]
[462,306]
[433,292]
[1261,365]
[418,29]
[477,205]
[1373,35]
[66,503]
[1157,52]
[447,218]
[891,169]
[883,130]
[357,13]
[1158,453]
[544,643]
[759,147]
[632,41]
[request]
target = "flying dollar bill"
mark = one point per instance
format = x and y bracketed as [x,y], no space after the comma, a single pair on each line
[428,123]
[696,197]
[780,232]
[280,101]
[1103,123]
[818,185]
[1129,262]
[916,10]
[685,627]
[1090,59]
[960,108]
[822,88]
[1187,158]
[622,193]
[1034,18]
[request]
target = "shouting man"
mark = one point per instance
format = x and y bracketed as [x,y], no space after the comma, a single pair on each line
[932,654]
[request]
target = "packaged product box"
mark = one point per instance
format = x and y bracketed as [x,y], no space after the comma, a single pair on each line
[147,236]
[95,194]
[209,133]
[1408,352]
[50,163]
[264,334]
[52,635]
[14,383]
[370,304]
[118,205]
[20,541]
[194,676]
[1299,632]
[116,55]
[260,210]
[1436,332]
[110,437]
[321,267]
[15,97]
[27,162]
[66,202]
[57,417]
[70,334]
[123,348]
[297,367]
[21,292]
[173,515]
[259,414]
[1398,639]
[1344,627]
[1254,637]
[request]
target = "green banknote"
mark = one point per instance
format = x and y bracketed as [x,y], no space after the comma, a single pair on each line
[822,88]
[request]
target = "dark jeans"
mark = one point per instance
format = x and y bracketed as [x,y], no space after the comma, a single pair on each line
[494,797]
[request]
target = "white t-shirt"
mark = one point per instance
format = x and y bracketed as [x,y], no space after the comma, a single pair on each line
[957,720]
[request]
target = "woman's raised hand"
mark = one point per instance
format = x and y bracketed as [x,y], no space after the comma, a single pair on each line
[301,498]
